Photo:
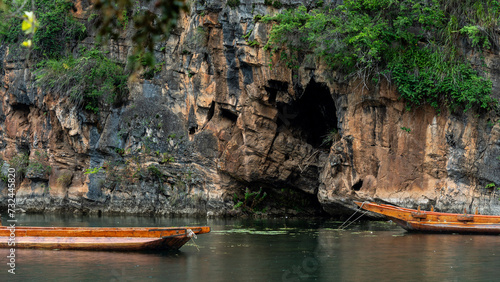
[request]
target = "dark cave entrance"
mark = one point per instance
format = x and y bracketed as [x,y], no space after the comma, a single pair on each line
[357,186]
[311,117]
[314,115]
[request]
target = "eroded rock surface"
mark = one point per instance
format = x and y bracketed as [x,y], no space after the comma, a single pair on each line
[217,120]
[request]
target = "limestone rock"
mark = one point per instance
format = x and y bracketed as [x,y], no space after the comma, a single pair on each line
[217,120]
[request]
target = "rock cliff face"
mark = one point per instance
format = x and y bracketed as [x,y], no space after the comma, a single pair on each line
[217,120]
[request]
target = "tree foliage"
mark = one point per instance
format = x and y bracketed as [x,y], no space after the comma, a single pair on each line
[51,33]
[58,28]
[153,19]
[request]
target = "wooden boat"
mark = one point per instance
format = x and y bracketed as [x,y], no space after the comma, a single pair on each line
[98,238]
[431,221]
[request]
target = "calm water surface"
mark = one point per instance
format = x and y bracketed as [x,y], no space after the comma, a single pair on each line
[266,250]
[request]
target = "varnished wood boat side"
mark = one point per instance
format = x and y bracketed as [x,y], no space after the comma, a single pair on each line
[99,238]
[139,232]
[491,228]
[448,227]
[97,243]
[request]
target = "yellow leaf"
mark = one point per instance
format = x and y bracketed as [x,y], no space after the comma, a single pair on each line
[25,26]
[26,43]
[30,24]
[65,66]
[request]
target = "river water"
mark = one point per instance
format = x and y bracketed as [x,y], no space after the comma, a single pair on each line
[266,250]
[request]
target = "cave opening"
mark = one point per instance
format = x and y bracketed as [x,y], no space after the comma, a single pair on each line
[315,115]
[357,186]
[280,197]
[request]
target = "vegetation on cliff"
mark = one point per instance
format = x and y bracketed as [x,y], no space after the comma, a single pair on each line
[90,81]
[415,44]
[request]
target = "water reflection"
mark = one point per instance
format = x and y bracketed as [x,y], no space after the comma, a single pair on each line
[400,256]
[266,250]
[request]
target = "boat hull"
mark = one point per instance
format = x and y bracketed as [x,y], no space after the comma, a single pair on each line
[436,222]
[99,239]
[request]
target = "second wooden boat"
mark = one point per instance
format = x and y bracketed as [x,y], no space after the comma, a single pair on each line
[98,238]
[431,221]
